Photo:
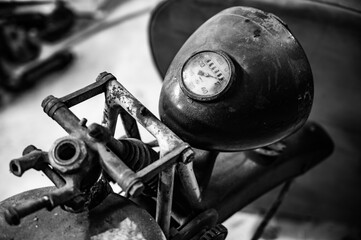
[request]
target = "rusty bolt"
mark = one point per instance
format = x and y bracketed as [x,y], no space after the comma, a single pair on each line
[101,76]
[187,155]
[83,122]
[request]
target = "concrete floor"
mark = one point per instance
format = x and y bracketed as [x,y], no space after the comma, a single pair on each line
[124,52]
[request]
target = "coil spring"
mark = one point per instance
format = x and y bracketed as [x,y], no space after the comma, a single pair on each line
[138,155]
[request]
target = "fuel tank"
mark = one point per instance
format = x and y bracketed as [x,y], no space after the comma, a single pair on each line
[266,96]
[115,218]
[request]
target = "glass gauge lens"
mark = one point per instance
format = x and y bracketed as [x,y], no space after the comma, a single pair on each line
[206,75]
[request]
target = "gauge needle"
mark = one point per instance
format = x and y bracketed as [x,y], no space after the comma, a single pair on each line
[201,73]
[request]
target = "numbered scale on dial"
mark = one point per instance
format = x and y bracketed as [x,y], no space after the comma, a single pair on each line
[206,75]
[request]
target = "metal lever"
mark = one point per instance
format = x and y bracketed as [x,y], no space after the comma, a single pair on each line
[34,158]
[14,213]
[70,165]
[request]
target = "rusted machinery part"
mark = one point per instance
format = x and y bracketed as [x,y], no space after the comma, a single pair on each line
[73,168]
[218,232]
[115,218]
[110,161]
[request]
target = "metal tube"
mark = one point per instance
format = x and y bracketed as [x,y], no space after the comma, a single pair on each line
[161,164]
[13,214]
[110,118]
[57,110]
[116,94]
[53,176]
[130,125]
[190,184]
[165,199]
[38,160]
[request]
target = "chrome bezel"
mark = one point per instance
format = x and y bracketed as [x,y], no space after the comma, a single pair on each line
[199,97]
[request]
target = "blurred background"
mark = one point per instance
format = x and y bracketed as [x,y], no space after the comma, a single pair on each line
[113,36]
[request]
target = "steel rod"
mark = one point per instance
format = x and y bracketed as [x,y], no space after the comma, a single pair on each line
[165,199]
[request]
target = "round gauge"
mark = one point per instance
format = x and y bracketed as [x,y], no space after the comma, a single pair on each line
[206,75]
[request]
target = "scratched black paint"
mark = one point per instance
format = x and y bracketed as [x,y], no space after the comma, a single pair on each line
[270,98]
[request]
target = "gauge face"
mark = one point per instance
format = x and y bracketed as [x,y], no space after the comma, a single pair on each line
[206,75]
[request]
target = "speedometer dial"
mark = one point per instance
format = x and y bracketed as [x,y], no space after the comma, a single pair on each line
[206,75]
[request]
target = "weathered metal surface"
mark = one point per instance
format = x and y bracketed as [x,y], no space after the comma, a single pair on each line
[99,140]
[161,164]
[73,170]
[190,185]
[89,91]
[115,218]
[111,163]
[311,144]
[116,94]
[110,118]
[77,157]
[165,199]
[270,98]
[130,125]
[330,36]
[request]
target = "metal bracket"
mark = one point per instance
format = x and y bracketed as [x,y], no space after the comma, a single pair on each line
[118,101]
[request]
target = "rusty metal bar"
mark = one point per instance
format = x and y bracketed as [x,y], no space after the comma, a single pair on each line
[89,91]
[130,125]
[53,176]
[116,94]
[190,184]
[163,163]
[110,118]
[165,199]
[60,113]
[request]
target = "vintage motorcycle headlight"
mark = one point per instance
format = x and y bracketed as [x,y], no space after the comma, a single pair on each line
[241,81]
